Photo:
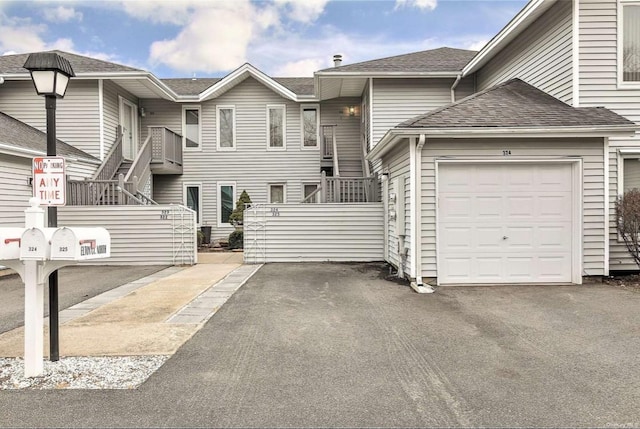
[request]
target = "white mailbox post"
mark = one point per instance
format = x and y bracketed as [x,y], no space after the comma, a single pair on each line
[34,252]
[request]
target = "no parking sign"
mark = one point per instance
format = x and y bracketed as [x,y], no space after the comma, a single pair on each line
[49,184]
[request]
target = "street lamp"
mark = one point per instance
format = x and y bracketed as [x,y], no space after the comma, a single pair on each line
[50,74]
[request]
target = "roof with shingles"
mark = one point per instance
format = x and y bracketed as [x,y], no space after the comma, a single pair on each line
[20,135]
[434,60]
[514,104]
[195,86]
[13,64]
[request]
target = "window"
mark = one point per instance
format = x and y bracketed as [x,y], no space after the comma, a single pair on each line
[275,127]
[191,127]
[308,189]
[226,202]
[226,129]
[630,50]
[310,125]
[193,198]
[277,193]
[631,174]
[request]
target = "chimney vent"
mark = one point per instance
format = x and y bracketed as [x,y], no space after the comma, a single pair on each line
[337,60]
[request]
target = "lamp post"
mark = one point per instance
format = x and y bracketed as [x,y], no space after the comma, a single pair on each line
[50,74]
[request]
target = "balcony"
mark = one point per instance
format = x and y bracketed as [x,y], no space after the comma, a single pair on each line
[166,151]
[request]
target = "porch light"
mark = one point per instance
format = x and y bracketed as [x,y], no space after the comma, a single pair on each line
[50,73]
[352,110]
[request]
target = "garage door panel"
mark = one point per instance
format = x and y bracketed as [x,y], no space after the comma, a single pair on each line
[510,223]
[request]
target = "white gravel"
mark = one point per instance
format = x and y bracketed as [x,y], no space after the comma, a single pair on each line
[118,372]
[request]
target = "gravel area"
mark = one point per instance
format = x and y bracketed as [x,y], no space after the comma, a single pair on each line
[625,281]
[118,372]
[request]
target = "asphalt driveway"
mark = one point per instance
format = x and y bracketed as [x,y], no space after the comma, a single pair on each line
[337,345]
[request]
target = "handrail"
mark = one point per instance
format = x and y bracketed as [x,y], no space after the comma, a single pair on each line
[336,168]
[327,149]
[113,159]
[146,200]
[141,162]
[129,195]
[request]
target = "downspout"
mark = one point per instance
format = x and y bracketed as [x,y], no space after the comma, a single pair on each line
[453,88]
[416,216]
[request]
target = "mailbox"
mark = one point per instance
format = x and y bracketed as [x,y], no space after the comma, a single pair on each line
[34,245]
[80,244]
[10,239]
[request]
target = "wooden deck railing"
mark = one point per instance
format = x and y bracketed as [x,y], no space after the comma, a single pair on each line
[141,166]
[166,145]
[346,190]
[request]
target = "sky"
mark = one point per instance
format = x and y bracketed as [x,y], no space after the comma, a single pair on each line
[174,38]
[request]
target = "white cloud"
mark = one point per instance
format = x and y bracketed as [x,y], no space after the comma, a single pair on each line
[62,14]
[20,35]
[476,46]
[166,12]
[419,4]
[300,68]
[305,11]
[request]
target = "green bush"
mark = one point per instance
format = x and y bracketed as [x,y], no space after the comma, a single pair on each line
[237,216]
[236,240]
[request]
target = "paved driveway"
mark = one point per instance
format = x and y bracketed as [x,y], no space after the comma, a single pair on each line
[337,345]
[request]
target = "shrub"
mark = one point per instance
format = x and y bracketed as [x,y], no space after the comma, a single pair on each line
[628,222]
[236,240]
[237,216]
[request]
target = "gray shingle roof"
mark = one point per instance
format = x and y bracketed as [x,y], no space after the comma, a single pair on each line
[12,64]
[299,85]
[434,60]
[18,134]
[193,86]
[514,104]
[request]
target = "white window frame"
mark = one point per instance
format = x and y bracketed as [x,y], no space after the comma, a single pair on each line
[184,128]
[304,107]
[284,126]
[199,212]
[624,153]
[284,192]
[620,41]
[235,137]
[316,184]
[219,202]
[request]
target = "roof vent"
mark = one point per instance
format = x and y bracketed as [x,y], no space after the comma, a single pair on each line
[337,60]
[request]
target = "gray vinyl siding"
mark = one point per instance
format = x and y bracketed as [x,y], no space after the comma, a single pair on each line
[140,235]
[541,56]
[14,190]
[77,114]
[591,152]
[111,103]
[466,87]
[397,100]
[397,164]
[599,87]
[80,169]
[315,232]
[333,112]
[251,165]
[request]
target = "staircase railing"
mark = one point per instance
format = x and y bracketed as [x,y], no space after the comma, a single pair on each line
[141,166]
[347,190]
[113,159]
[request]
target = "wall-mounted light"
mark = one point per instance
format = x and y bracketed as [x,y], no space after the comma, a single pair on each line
[352,110]
[143,112]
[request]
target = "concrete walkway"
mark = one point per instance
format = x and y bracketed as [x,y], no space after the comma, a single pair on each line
[154,315]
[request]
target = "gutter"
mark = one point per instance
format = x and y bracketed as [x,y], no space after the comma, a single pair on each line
[453,88]
[415,153]
[29,153]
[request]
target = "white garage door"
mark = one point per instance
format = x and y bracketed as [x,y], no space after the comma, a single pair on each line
[504,223]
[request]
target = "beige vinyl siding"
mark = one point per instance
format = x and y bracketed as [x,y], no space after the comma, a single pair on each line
[541,56]
[396,100]
[14,190]
[591,152]
[466,87]
[315,232]
[397,164]
[140,235]
[80,169]
[599,87]
[334,112]
[111,102]
[251,165]
[77,114]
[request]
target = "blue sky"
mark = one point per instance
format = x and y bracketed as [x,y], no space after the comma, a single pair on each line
[173,38]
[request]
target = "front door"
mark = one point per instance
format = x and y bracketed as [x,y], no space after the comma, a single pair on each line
[129,124]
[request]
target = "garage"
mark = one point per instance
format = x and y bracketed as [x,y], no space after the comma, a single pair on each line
[509,222]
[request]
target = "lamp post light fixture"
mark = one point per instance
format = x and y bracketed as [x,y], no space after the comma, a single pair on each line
[50,74]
